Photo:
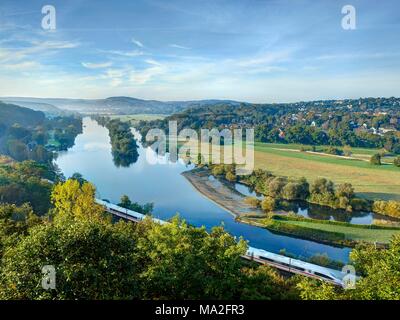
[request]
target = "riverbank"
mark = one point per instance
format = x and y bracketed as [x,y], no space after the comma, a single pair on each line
[220,193]
[340,234]
[330,232]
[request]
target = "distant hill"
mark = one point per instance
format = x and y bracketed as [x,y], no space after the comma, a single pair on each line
[47,108]
[113,105]
[11,114]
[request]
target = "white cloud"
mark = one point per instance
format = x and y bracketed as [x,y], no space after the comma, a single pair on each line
[144,76]
[129,54]
[21,66]
[152,62]
[174,45]
[90,65]
[138,43]
[266,58]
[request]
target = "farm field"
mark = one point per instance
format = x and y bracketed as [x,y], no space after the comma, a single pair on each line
[372,182]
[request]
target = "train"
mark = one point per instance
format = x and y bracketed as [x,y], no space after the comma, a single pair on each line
[295,266]
[258,255]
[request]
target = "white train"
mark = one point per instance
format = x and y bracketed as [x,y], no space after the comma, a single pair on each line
[258,255]
[295,266]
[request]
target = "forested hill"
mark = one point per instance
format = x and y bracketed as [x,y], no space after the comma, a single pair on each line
[11,114]
[26,134]
[369,122]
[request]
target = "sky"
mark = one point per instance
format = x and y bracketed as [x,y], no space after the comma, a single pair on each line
[255,51]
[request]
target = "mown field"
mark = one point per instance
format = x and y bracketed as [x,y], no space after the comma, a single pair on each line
[372,182]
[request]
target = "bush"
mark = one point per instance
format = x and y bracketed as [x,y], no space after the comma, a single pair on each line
[376,160]
[230,176]
[334,151]
[396,162]
[268,204]
[389,208]
[252,201]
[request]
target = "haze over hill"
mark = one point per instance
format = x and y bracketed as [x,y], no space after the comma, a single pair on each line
[112,105]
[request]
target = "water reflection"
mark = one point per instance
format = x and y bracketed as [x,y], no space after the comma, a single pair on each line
[313,211]
[171,193]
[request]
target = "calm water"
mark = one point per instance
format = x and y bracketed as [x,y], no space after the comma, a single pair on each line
[321,213]
[163,185]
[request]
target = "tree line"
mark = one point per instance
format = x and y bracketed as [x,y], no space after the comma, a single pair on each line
[95,258]
[123,143]
[28,135]
[321,191]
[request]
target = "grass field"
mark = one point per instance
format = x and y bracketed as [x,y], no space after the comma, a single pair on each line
[138,117]
[372,182]
[325,231]
[351,233]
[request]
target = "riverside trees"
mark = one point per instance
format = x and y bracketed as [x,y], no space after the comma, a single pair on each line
[94,258]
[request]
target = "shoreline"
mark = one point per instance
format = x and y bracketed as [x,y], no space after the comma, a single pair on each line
[220,193]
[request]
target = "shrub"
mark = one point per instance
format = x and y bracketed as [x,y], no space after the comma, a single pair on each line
[376,160]
[334,151]
[268,204]
[230,176]
[396,162]
[389,208]
[252,201]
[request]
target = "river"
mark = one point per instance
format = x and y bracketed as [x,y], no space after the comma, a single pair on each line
[170,192]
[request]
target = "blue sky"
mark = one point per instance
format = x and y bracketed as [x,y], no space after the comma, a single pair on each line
[257,51]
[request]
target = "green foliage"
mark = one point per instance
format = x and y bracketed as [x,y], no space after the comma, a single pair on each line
[380,276]
[26,182]
[252,201]
[73,201]
[24,133]
[182,262]
[376,160]
[388,208]
[268,204]
[396,161]
[93,260]
[123,143]
[15,221]
[334,151]
[147,208]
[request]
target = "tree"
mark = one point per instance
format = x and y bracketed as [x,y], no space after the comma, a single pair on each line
[92,259]
[75,202]
[126,203]
[347,151]
[380,276]
[322,186]
[78,177]
[230,176]
[376,159]
[345,190]
[268,204]
[275,187]
[396,162]
[265,283]
[14,222]
[182,262]
[252,201]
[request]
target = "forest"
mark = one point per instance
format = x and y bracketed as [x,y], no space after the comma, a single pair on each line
[123,143]
[368,123]
[28,135]
[152,261]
